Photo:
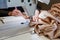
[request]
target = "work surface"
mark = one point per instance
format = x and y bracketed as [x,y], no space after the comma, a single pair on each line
[28,36]
[12,27]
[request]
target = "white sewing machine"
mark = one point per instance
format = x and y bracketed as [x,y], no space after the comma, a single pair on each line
[28,5]
[9,29]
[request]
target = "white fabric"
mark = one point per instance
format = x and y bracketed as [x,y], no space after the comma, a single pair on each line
[11,19]
[45,1]
[43,14]
[1,23]
[35,37]
[28,36]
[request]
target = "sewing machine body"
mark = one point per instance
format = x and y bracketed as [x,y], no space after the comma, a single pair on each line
[28,5]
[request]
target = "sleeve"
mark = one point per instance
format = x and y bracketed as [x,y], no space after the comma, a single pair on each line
[21,9]
[4,13]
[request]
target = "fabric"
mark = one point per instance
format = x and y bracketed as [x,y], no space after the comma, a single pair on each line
[52,31]
[43,14]
[10,19]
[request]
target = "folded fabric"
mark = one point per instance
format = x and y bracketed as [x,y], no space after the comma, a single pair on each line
[10,19]
[1,22]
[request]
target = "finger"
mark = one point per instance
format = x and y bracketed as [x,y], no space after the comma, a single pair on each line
[33,18]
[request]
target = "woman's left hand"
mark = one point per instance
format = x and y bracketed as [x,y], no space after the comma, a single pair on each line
[15,12]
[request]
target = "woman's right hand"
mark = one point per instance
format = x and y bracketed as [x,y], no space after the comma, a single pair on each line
[35,18]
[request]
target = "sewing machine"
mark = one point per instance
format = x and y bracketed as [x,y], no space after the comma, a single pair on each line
[12,29]
[28,5]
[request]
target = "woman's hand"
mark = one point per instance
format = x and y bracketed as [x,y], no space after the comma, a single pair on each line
[35,17]
[15,12]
